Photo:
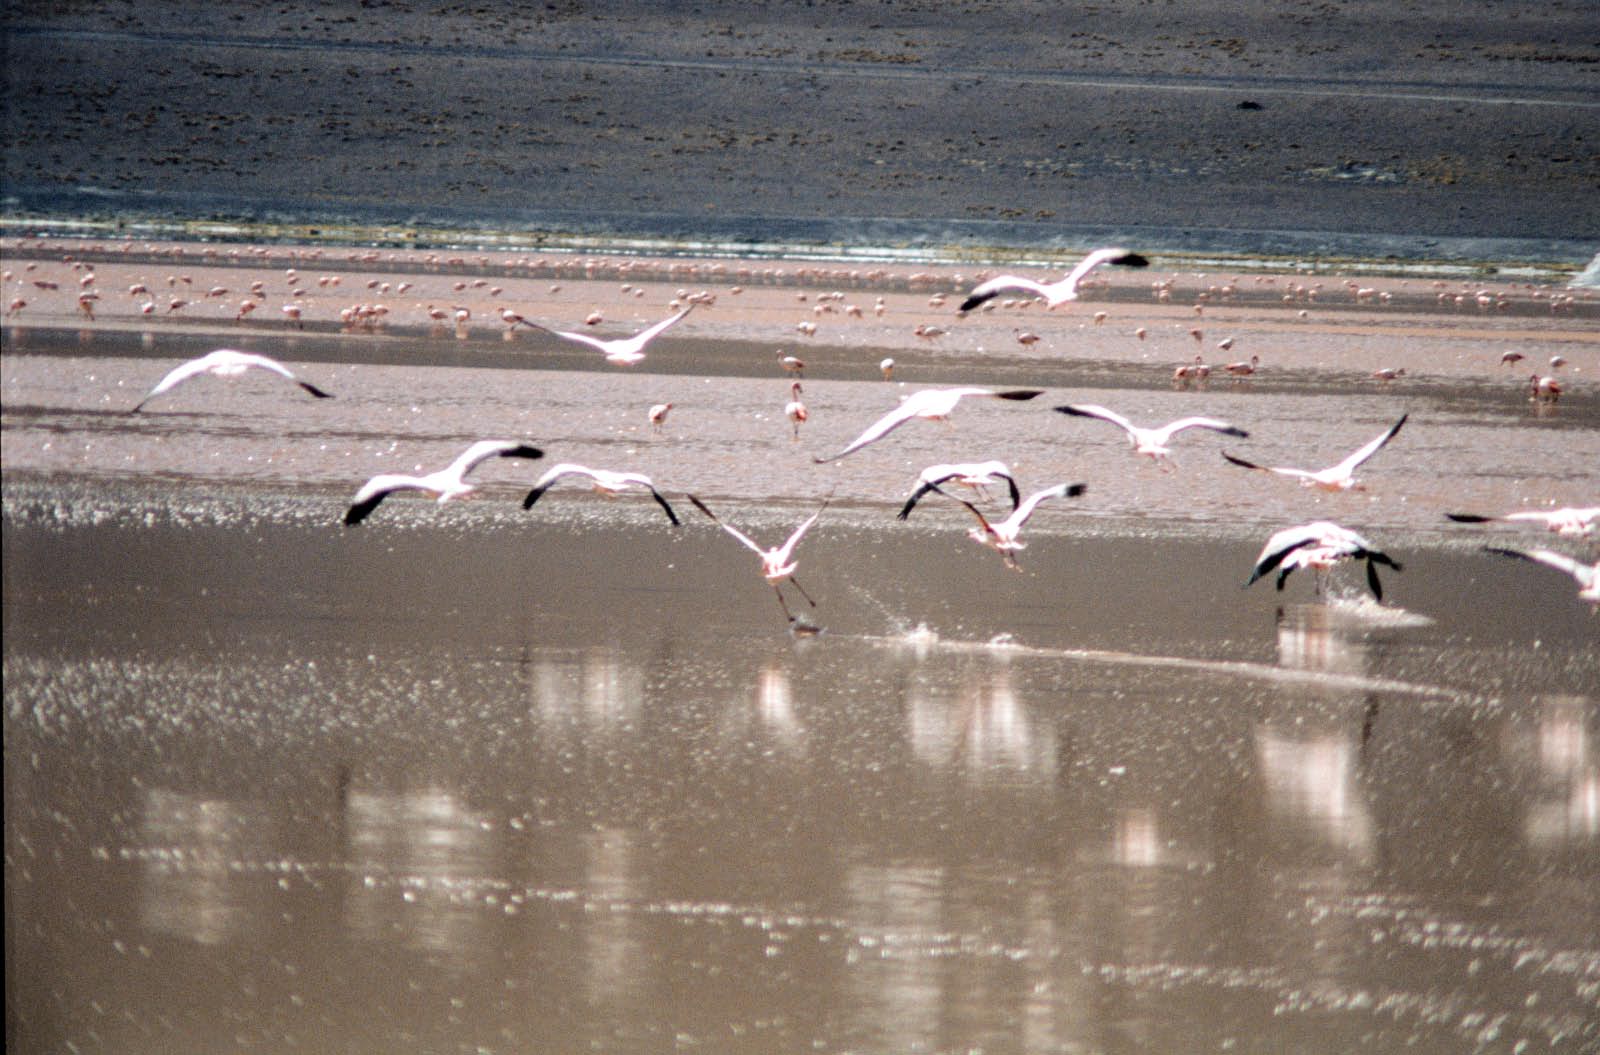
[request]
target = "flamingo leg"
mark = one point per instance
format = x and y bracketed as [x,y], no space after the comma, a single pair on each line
[802,590]
[783,604]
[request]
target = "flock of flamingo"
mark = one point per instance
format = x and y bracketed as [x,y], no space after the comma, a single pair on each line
[1318,546]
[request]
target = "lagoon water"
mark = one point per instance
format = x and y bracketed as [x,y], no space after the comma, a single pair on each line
[469,778]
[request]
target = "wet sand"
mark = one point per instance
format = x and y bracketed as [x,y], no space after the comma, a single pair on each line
[1356,130]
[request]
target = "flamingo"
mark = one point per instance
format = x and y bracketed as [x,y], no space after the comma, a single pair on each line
[447,483]
[1002,535]
[1568,522]
[791,364]
[975,475]
[605,481]
[795,410]
[1319,546]
[1545,389]
[224,362]
[1339,477]
[658,414]
[1242,369]
[777,564]
[1587,575]
[1056,293]
[934,404]
[1152,442]
[624,351]
[886,368]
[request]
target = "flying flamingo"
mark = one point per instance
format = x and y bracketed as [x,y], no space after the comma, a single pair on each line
[624,351]
[1339,477]
[1002,536]
[1568,523]
[1587,575]
[975,475]
[777,564]
[225,362]
[1319,546]
[1152,442]
[1056,293]
[934,404]
[605,481]
[447,483]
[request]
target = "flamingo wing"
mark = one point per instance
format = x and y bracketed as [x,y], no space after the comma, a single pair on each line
[1367,450]
[997,285]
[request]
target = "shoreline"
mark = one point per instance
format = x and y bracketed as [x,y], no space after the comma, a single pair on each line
[943,243]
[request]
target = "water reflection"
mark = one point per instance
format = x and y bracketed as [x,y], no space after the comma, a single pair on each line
[1566,812]
[600,687]
[200,864]
[898,915]
[983,725]
[614,947]
[417,857]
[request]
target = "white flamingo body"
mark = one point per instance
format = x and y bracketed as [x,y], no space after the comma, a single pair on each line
[1055,293]
[1587,575]
[933,404]
[1003,535]
[795,410]
[1319,546]
[225,362]
[1153,443]
[976,475]
[1568,523]
[778,564]
[1341,477]
[446,483]
[605,481]
[624,351]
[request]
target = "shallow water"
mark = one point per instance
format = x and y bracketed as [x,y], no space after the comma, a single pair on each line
[474,778]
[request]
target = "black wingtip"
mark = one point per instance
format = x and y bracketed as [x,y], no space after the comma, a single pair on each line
[533,496]
[1468,518]
[523,451]
[972,302]
[359,512]
[662,502]
[314,390]
[1239,461]
[695,501]
[1241,433]
[1020,393]
[1074,411]
[1075,490]
[1132,260]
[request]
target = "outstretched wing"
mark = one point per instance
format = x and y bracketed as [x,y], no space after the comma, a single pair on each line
[997,285]
[735,532]
[551,475]
[662,502]
[643,337]
[916,496]
[1103,256]
[577,338]
[1350,464]
[483,450]
[1549,558]
[1169,431]
[1093,410]
[1265,468]
[1020,515]
[876,431]
[371,495]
